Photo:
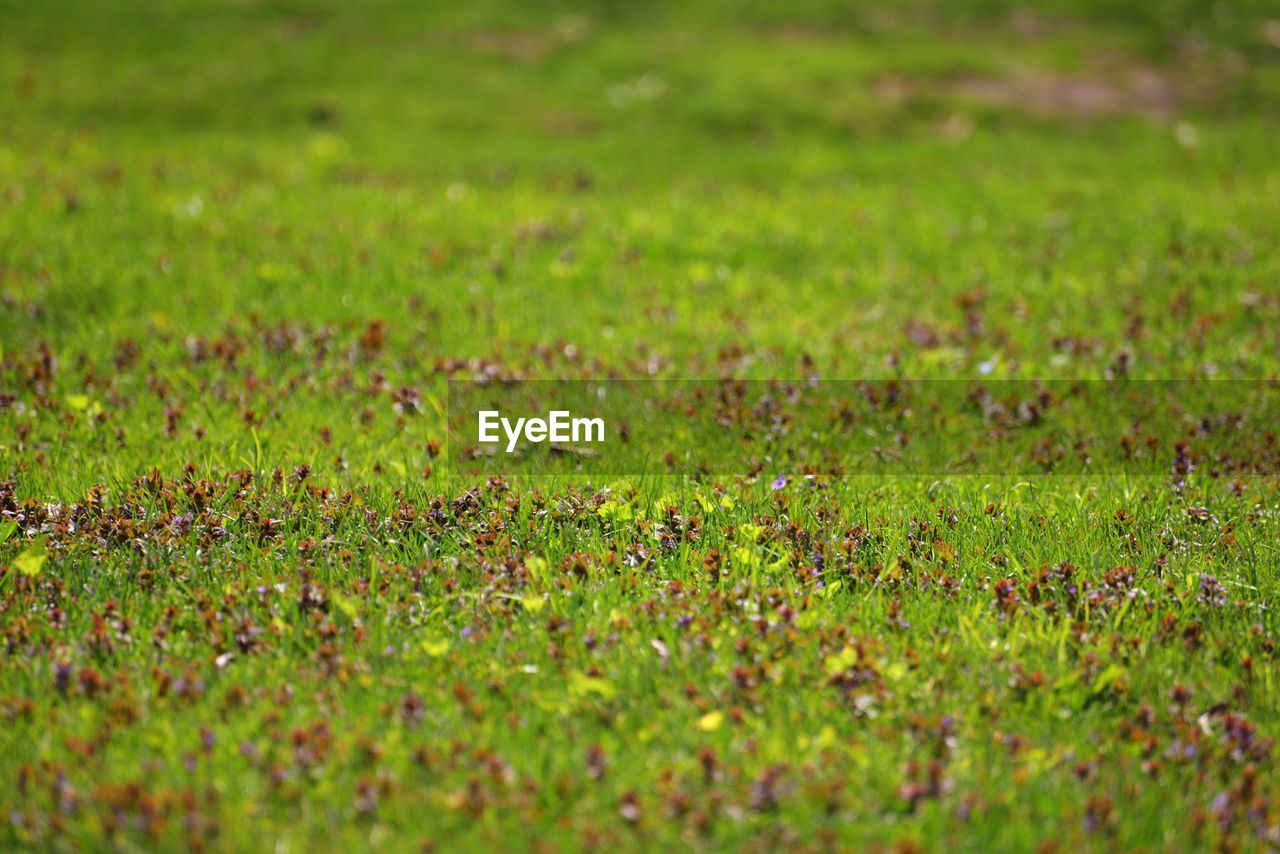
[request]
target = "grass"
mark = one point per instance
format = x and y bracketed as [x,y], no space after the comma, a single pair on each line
[249,598]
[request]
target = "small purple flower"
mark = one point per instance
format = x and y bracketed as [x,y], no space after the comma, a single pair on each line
[780,483]
[1212,592]
[61,676]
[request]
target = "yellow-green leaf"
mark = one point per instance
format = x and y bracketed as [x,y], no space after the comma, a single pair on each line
[346,604]
[31,561]
[536,567]
[435,648]
[840,661]
[580,685]
[710,722]
[618,510]
[895,671]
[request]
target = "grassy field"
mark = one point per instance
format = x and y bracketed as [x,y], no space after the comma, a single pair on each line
[249,600]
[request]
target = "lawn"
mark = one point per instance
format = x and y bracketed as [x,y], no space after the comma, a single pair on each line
[254,595]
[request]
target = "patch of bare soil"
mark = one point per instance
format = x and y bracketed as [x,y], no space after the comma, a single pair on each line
[526,45]
[531,45]
[1140,91]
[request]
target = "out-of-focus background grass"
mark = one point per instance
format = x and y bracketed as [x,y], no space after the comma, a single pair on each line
[811,171]
[687,187]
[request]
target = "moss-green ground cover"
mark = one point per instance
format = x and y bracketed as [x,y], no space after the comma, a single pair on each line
[245,245]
